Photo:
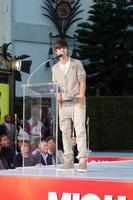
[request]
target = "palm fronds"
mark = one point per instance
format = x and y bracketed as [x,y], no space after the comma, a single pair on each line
[5,54]
[62,25]
[51,13]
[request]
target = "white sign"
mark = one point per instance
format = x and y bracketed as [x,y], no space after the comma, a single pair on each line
[77,196]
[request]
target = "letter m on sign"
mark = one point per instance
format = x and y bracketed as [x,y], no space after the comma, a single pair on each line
[65,196]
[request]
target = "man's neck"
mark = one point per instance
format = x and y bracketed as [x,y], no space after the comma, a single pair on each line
[64,60]
[25,155]
[44,153]
[51,152]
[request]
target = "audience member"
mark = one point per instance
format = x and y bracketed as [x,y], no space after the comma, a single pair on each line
[34,145]
[8,128]
[25,158]
[45,157]
[52,150]
[7,152]
[3,163]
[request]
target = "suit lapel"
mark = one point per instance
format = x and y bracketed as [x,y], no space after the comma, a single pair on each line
[70,69]
[7,129]
[60,70]
[42,160]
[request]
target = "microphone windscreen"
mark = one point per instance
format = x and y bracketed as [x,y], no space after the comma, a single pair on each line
[56,59]
[60,56]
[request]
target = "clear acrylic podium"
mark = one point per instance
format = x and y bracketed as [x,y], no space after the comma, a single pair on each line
[40,120]
[40,117]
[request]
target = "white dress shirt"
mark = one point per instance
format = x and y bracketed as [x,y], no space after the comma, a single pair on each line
[65,67]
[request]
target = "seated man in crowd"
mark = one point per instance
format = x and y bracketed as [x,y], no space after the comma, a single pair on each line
[45,157]
[34,145]
[52,150]
[25,158]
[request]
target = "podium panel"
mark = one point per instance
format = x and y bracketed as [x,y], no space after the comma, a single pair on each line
[41,138]
[40,124]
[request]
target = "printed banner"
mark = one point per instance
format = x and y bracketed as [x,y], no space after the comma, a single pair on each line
[48,188]
[103,158]
[4,100]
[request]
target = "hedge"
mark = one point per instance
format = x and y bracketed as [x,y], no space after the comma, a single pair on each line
[110,123]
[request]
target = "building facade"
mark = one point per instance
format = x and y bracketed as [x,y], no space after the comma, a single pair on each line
[24,25]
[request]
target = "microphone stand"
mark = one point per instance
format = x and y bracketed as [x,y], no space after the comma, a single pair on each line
[16,133]
[48,60]
[38,68]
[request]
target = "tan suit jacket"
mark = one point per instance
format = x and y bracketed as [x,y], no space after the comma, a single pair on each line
[70,81]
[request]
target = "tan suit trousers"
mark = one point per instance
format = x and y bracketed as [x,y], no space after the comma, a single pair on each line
[71,111]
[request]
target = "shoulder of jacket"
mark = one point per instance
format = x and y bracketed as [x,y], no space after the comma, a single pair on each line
[75,60]
[55,66]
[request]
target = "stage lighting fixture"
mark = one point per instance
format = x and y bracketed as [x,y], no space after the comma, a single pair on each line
[19,65]
[15,63]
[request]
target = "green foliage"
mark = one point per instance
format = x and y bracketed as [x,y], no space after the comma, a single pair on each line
[106,47]
[111,123]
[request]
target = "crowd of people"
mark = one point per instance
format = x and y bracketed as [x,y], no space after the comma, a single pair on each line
[30,151]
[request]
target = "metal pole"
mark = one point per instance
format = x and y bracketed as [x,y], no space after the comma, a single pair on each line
[16,132]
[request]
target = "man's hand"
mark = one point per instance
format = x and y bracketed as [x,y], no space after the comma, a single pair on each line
[59,99]
[80,98]
[81,94]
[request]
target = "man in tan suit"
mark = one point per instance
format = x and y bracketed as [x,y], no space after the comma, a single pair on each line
[70,75]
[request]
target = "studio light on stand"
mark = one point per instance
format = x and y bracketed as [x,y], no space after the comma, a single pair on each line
[18,65]
[15,63]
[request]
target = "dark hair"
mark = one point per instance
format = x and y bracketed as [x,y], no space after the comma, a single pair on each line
[25,142]
[49,138]
[7,116]
[60,44]
[3,135]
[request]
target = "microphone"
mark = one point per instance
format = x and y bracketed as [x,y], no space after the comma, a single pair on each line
[48,60]
[57,57]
